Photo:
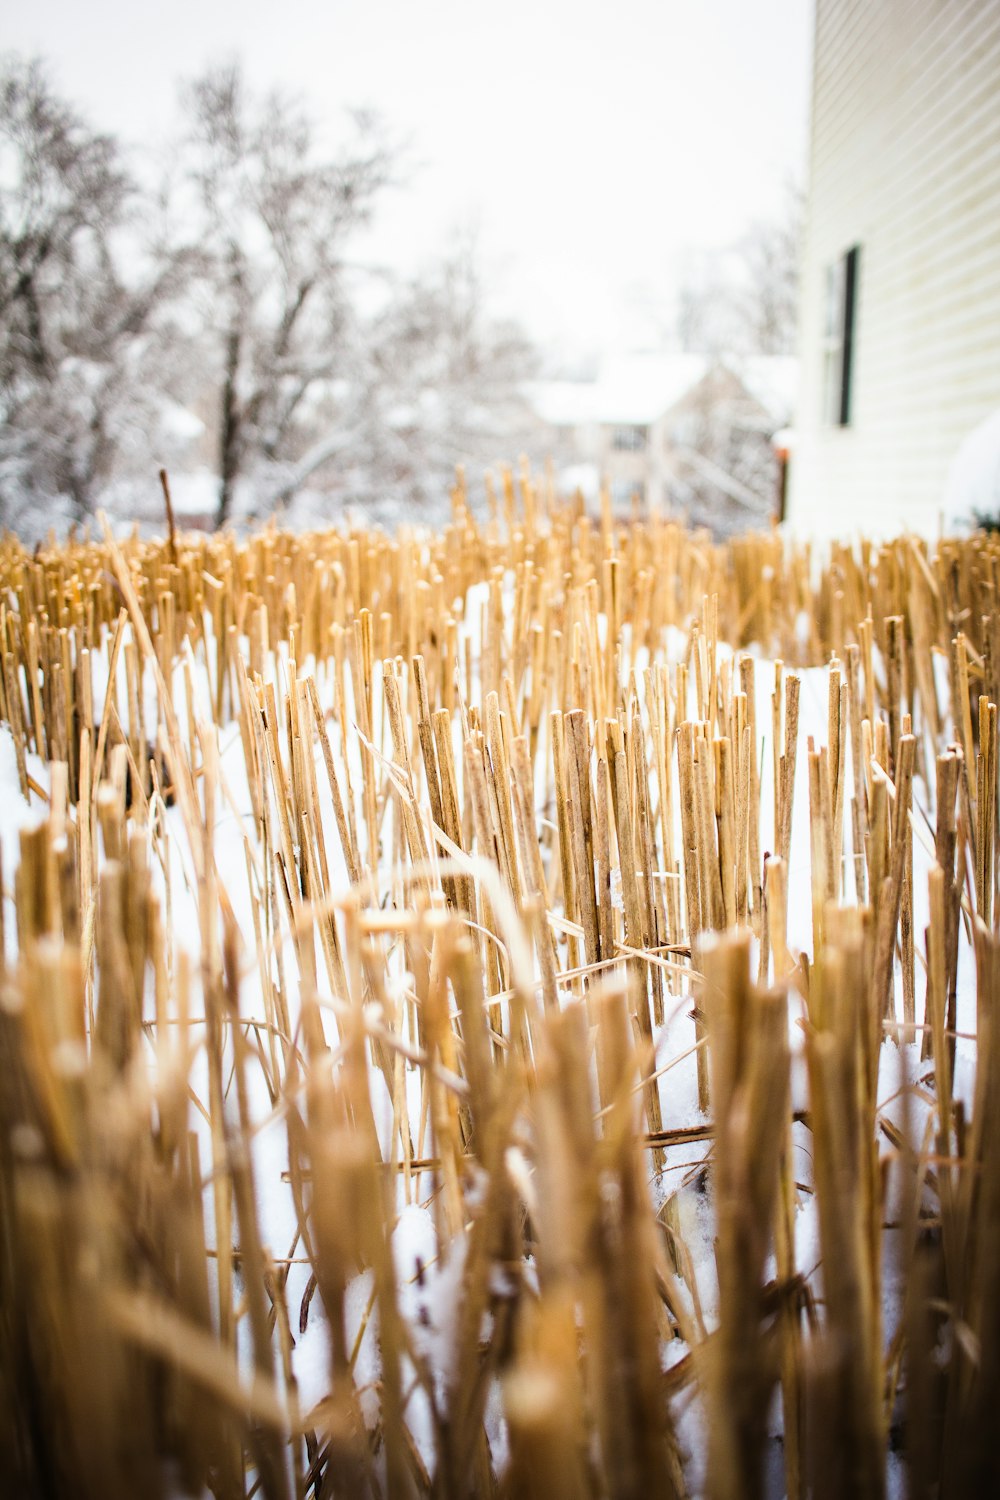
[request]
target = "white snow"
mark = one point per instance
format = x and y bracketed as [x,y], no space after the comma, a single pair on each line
[973,483]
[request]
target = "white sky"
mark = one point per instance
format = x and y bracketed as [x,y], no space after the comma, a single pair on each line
[593,145]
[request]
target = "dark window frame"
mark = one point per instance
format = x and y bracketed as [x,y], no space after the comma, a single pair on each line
[840,338]
[630,437]
[849,334]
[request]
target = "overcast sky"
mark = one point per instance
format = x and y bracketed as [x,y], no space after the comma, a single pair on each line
[593,146]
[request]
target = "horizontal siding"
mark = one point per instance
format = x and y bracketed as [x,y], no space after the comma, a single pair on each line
[921,139]
[905,162]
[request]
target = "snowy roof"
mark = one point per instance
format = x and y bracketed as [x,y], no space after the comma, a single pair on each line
[638,389]
[772,380]
[634,389]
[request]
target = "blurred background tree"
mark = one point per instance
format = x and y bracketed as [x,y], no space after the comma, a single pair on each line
[743,299]
[214,315]
[82,324]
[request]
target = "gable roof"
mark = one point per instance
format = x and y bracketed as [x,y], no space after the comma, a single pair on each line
[638,389]
[632,389]
[771,379]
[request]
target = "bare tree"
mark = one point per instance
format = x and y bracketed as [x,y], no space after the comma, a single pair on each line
[447,380]
[76,333]
[767,296]
[435,381]
[726,470]
[744,299]
[227,302]
[275,217]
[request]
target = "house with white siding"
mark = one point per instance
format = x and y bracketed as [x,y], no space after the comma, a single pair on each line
[900,289]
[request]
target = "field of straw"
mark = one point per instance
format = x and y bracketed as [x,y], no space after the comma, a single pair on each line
[509,1011]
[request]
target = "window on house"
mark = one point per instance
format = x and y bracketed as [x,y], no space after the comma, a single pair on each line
[629,439]
[839,337]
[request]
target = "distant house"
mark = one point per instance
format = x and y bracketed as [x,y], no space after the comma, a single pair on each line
[900,309]
[677,433]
